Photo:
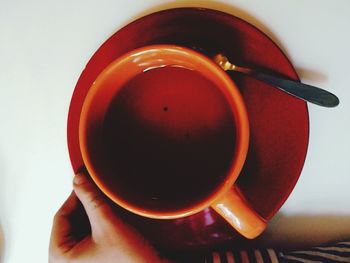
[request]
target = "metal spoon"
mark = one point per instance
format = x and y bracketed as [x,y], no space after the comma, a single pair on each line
[302,91]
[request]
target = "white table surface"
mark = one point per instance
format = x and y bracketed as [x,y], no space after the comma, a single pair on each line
[44,46]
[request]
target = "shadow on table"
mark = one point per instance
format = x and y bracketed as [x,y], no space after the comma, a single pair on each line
[311,76]
[305,74]
[303,231]
[2,244]
[227,8]
[3,185]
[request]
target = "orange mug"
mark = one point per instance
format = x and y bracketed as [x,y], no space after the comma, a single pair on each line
[164,133]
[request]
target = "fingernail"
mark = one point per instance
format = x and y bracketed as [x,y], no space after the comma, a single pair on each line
[78,179]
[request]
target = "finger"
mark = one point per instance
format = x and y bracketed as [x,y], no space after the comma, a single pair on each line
[95,204]
[61,239]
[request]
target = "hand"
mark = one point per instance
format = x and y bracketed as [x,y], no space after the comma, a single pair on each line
[85,229]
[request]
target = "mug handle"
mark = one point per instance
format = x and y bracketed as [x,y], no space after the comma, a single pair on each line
[237,212]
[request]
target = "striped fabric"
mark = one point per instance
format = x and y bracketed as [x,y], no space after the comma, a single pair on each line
[339,252]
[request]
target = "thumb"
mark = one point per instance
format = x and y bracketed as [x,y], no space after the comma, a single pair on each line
[95,204]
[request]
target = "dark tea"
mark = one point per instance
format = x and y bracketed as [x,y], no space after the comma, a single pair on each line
[168,139]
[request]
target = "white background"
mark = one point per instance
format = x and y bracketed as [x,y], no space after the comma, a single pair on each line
[44,46]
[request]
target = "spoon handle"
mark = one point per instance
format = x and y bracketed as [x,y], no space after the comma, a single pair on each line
[300,90]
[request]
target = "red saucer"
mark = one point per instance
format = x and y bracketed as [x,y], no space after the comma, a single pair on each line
[279,123]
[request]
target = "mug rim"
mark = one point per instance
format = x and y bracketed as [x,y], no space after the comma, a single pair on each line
[240,119]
